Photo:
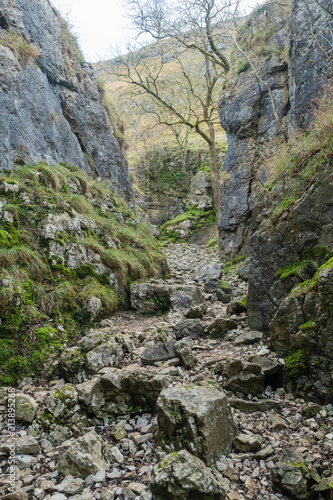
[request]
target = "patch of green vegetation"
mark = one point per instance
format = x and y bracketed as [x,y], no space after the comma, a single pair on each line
[299,464]
[301,269]
[306,327]
[22,49]
[243,302]
[295,364]
[162,304]
[243,67]
[232,264]
[36,286]
[170,230]
[214,242]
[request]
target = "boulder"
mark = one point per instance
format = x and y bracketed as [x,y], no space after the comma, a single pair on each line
[189,328]
[181,476]
[162,351]
[196,418]
[247,442]
[70,486]
[196,312]
[246,406]
[246,378]
[91,394]
[220,327]
[63,401]
[24,445]
[183,349]
[213,271]
[25,407]
[106,354]
[152,298]
[84,457]
[72,365]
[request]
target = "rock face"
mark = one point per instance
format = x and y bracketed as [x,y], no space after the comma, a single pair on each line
[307,225]
[195,418]
[246,113]
[247,116]
[51,110]
[172,187]
[309,68]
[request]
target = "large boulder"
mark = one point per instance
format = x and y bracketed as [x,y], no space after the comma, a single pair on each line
[196,418]
[114,392]
[25,407]
[84,457]
[51,110]
[181,476]
[238,376]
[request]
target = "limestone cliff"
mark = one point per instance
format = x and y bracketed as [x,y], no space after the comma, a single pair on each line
[50,107]
[281,213]
[296,80]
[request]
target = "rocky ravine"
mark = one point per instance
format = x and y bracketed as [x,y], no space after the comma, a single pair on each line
[185,405]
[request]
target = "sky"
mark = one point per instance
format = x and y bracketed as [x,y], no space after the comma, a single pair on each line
[100,25]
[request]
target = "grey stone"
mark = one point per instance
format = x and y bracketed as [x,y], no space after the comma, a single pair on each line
[220,327]
[108,354]
[189,328]
[246,406]
[85,456]
[248,338]
[183,349]
[70,486]
[180,476]
[25,445]
[195,418]
[25,407]
[158,352]
[247,442]
[150,298]
[196,312]
[244,378]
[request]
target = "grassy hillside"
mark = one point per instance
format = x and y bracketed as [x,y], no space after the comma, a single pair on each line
[68,251]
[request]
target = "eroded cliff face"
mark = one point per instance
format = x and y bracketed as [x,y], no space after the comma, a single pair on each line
[290,275]
[247,116]
[50,107]
[246,111]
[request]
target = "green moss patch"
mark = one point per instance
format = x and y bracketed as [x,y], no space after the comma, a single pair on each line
[170,230]
[295,364]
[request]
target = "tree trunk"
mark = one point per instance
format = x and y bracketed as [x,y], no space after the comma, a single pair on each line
[213,165]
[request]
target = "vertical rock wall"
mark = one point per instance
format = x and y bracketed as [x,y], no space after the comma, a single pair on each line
[247,116]
[50,108]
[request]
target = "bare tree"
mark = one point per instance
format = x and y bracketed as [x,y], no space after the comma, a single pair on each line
[190,29]
[185,98]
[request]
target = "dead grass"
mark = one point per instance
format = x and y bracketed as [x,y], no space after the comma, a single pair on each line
[22,49]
